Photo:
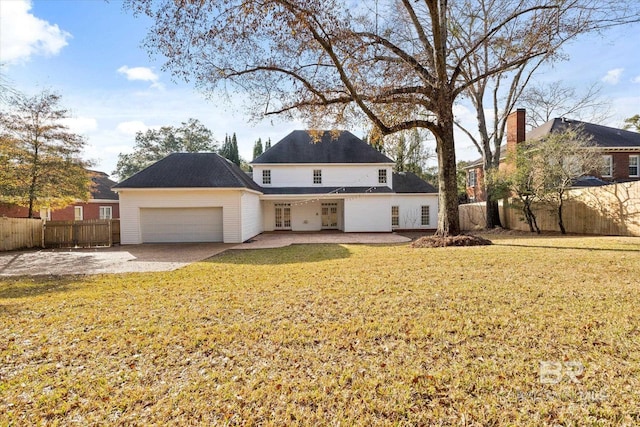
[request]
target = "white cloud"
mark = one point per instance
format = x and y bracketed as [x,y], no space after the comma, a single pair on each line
[636,79]
[22,34]
[81,124]
[139,73]
[132,127]
[613,76]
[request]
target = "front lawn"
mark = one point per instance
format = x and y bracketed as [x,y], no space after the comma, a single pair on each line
[529,331]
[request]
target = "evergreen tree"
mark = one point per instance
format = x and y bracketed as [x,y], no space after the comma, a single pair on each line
[235,156]
[257,148]
[267,145]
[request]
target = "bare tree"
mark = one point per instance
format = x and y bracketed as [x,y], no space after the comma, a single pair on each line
[546,102]
[558,161]
[494,94]
[398,65]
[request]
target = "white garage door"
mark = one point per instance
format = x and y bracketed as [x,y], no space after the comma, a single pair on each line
[166,225]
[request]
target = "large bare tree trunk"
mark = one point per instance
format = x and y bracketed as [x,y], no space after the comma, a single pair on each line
[448,217]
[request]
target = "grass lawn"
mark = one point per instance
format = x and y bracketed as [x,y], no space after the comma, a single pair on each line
[335,335]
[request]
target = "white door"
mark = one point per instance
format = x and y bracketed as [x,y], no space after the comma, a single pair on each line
[329,215]
[283,216]
[171,225]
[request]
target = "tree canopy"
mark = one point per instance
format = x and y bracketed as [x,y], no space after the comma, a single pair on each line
[398,66]
[40,158]
[154,144]
[633,123]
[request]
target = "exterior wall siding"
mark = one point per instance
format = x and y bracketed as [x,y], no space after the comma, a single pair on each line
[251,215]
[367,213]
[410,206]
[332,175]
[132,200]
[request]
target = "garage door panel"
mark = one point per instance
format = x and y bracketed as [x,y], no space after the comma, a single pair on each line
[161,225]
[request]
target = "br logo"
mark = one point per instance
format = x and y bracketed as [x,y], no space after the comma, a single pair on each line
[554,372]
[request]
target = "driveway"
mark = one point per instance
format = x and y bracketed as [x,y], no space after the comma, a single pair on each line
[162,257]
[117,259]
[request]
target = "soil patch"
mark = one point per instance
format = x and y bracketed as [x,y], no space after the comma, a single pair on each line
[460,240]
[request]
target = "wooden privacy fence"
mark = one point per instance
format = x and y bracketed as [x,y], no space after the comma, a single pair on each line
[20,233]
[87,233]
[607,210]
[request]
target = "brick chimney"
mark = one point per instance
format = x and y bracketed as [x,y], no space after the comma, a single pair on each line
[515,129]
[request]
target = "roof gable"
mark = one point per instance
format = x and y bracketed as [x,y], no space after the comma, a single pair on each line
[101,189]
[333,147]
[190,170]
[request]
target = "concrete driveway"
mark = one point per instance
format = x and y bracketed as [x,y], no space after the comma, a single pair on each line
[162,257]
[118,259]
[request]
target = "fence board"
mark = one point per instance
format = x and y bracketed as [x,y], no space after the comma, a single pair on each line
[608,210]
[87,233]
[20,233]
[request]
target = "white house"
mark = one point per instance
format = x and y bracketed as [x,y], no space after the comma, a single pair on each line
[306,182]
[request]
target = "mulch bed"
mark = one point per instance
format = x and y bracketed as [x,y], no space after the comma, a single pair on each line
[460,240]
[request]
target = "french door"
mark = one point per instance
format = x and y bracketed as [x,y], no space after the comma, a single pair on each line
[283,216]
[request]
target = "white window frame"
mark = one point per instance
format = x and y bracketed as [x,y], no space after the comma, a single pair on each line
[471,178]
[103,212]
[78,213]
[266,177]
[395,216]
[47,214]
[425,213]
[635,157]
[317,176]
[382,176]
[608,163]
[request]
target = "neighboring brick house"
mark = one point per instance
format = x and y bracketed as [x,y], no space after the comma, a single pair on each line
[620,150]
[103,204]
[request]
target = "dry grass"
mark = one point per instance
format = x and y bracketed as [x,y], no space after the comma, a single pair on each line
[333,335]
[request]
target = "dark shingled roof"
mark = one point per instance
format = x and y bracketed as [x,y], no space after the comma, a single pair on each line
[102,186]
[333,147]
[602,136]
[407,182]
[191,170]
[589,181]
[325,190]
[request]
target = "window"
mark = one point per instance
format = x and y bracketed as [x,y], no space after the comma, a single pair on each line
[382,176]
[424,217]
[77,213]
[471,178]
[105,212]
[634,166]
[607,168]
[395,216]
[266,176]
[317,176]
[45,213]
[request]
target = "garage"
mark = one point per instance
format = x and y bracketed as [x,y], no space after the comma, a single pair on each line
[174,225]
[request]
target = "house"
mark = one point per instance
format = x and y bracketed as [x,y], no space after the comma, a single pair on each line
[309,181]
[620,151]
[103,204]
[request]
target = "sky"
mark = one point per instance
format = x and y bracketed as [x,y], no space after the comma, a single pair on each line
[90,52]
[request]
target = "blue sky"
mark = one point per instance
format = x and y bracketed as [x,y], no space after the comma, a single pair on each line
[90,52]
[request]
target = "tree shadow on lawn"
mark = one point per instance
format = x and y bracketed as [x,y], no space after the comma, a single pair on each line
[293,254]
[27,286]
[583,243]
